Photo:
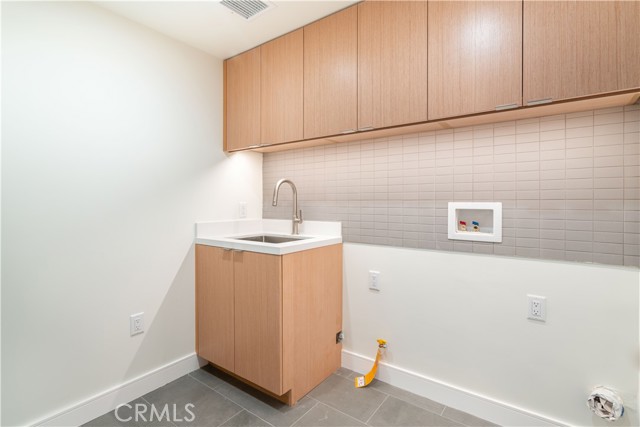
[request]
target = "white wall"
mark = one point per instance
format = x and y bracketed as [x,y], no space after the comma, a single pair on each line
[461,320]
[111,151]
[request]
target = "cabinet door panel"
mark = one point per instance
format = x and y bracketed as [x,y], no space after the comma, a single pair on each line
[242,99]
[258,319]
[549,50]
[475,56]
[580,48]
[392,63]
[282,89]
[331,74]
[608,46]
[313,281]
[214,305]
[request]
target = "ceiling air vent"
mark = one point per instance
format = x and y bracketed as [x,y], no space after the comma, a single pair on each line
[248,9]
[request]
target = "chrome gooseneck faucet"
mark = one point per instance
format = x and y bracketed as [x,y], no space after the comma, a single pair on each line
[297,215]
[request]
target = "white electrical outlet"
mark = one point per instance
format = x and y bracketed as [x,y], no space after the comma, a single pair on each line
[136,324]
[374,280]
[242,209]
[537,308]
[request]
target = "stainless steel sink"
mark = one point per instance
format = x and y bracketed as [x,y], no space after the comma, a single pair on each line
[266,238]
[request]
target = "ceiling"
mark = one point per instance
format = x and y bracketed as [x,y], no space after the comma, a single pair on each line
[211,27]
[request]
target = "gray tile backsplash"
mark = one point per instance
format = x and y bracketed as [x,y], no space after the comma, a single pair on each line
[569,185]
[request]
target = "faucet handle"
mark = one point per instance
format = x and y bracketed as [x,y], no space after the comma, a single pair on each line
[300,217]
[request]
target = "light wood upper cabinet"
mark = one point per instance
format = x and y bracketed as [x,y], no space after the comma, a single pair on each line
[282,89]
[392,63]
[549,47]
[331,75]
[475,56]
[215,305]
[242,100]
[579,48]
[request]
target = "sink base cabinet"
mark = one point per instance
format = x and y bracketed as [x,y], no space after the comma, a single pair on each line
[270,320]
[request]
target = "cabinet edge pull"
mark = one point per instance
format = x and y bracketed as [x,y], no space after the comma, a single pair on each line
[348,131]
[238,250]
[506,106]
[539,101]
[365,128]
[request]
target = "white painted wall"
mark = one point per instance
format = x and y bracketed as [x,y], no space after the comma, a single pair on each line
[111,151]
[460,319]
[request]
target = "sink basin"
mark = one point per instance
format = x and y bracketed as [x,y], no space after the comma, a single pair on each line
[266,238]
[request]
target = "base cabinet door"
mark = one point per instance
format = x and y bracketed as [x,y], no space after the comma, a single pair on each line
[214,306]
[258,319]
[271,320]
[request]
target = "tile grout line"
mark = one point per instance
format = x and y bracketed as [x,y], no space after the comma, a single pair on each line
[302,416]
[255,415]
[374,412]
[241,409]
[403,400]
[205,384]
[230,400]
[337,410]
[149,403]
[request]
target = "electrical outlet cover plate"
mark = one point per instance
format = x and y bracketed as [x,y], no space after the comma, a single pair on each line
[374,280]
[537,308]
[136,324]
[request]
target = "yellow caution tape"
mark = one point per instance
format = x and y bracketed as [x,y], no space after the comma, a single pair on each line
[365,380]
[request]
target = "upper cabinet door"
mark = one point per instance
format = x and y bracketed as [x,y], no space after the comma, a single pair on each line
[392,63]
[549,47]
[580,48]
[475,56]
[242,100]
[331,75]
[282,89]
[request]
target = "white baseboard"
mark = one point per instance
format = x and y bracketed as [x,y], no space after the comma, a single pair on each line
[106,401]
[475,404]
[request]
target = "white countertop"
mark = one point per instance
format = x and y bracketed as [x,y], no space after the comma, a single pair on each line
[224,234]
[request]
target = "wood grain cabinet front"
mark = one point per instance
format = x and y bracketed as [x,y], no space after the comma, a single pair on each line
[270,320]
[242,100]
[282,89]
[392,63]
[475,57]
[579,48]
[331,75]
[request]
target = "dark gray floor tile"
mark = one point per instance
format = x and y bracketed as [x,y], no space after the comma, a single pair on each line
[341,394]
[208,376]
[139,413]
[395,412]
[136,413]
[465,419]
[210,408]
[347,373]
[322,415]
[407,396]
[106,420]
[246,419]
[265,407]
